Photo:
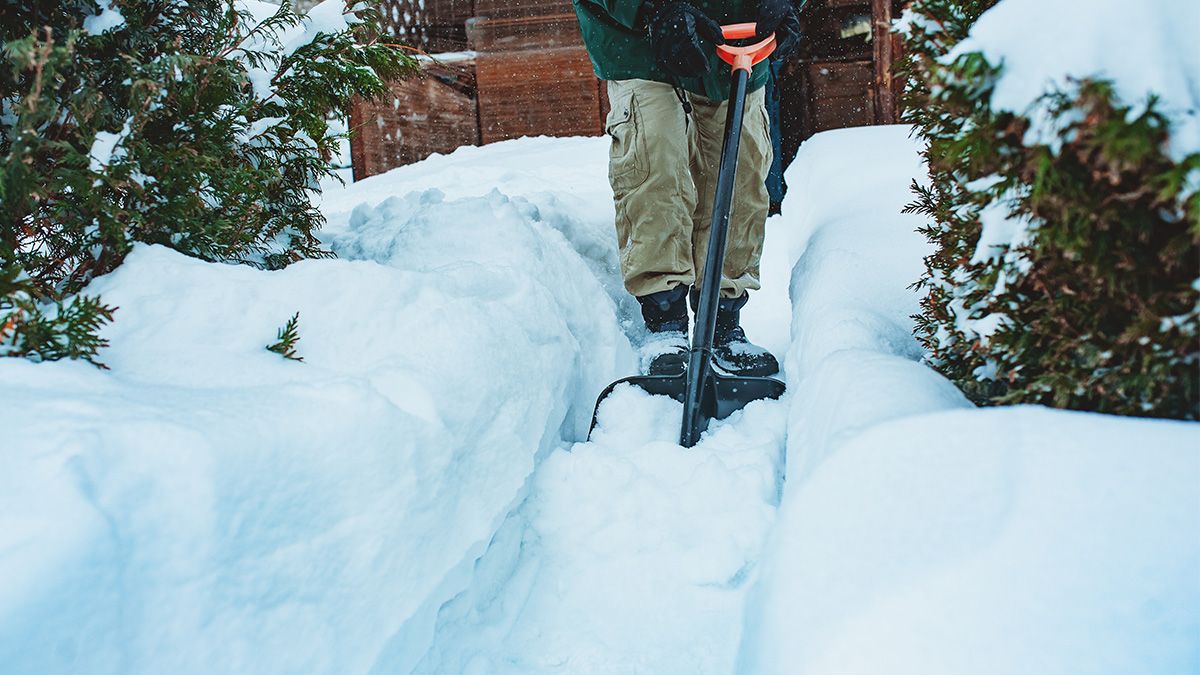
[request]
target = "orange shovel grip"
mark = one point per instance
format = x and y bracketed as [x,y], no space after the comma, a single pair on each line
[744,58]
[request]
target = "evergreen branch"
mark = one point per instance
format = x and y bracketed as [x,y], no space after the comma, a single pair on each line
[287,338]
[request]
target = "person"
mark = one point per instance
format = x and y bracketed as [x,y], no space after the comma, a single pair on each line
[776,185]
[669,93]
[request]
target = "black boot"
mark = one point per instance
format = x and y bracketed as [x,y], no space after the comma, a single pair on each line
[665,351]
[732,352]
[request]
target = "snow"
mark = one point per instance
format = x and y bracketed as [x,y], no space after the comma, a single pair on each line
[328,17]
[418,494]
[948,539]
[1145,48]
[207,506]
[447,57]
[852,361]
[342,163]
[999,541]
[259,10]
[635,553]
[259,127]
[1001,232]
[630,554]
[104,150]
[109,18]
[106,147]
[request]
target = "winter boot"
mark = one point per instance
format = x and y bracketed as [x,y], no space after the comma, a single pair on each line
[665,351]
[732,352]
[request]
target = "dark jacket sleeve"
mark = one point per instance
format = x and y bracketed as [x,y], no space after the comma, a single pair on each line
[624,12]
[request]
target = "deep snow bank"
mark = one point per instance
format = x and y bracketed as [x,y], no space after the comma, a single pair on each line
[207,506]
[631,554]
[1145,48]
[1013,540]
[852,362]
[919,535]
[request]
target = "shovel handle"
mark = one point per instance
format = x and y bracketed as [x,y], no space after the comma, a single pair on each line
[744,58]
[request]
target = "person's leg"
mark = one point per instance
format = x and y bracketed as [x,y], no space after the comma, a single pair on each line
[652,187]
[750,198]
[776,185]
[732,351]
[654,199]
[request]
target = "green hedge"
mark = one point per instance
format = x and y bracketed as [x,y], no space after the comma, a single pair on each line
[186,124]
[1066,264]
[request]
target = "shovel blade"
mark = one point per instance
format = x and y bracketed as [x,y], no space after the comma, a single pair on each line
[723,394]
[732,393]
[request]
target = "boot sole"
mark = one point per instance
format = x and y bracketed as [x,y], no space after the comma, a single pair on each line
[765,371]
[669,367]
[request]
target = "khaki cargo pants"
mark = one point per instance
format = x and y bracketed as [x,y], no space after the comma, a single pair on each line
[663,169]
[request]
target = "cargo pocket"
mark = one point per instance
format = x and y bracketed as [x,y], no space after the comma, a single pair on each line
[627,165]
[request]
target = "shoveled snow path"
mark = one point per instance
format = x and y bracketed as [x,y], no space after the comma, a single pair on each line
[628,553]
[624,554]
[634,555]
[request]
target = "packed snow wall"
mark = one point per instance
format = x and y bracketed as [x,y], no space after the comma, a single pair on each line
[209,506]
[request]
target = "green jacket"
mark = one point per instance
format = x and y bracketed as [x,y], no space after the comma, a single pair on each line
[621,51]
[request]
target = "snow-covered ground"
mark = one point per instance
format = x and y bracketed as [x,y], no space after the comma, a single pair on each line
[417,495]
[208,506]
[630,554]
[919,535]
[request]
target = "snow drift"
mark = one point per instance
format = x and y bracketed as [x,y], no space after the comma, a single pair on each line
[1145,49]
[207,506]
[918,535]
[412,498]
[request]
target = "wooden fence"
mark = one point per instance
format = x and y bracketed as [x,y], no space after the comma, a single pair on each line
[501,69]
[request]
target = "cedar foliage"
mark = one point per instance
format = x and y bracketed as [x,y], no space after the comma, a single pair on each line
[1065,268]
[187,124]
[287,339]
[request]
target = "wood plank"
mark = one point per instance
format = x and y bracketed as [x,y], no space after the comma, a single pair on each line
[418,117]
[554,30]
[854,75]
[429,25]
[509,9]
[839,95]
[885,98]
[537,92]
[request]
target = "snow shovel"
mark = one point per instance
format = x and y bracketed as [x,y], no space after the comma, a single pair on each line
[705,393]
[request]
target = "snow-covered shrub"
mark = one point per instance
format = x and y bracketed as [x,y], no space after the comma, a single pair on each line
[199,125]
[1066,227]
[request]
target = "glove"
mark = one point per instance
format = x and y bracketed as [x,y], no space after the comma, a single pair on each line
[781,18]
[677,31]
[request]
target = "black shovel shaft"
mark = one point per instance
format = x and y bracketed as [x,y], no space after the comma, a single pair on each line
[700,359]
